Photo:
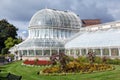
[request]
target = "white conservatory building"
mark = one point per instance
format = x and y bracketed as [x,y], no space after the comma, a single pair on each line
[52,32]
[102,39]
[48,31]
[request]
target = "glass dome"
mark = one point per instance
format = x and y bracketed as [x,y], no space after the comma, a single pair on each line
[48,31]
[51,28]
[55,18]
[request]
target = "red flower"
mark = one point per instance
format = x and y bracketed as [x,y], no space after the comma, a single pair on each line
[39,62]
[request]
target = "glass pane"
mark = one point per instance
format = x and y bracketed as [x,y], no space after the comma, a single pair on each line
[83,51]
[62,51]
[24,52]
[78,52]
[20,52]
[97,51]
[38,52]
[71,52]
[47,52]
[67,52]
[105,51]
[54,52]
[114,52]
[90,50]
[31,52]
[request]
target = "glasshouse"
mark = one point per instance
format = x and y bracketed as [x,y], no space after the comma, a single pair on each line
[103,40]
[52,32]
[48,31]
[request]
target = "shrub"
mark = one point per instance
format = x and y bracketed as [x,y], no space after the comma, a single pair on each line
[71,58]
[82,59]
[117,61]
[98,60]
[105,60]
[113,61]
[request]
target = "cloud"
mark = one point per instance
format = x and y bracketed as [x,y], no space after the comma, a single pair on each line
[19,12]
[23,10]
[23,34]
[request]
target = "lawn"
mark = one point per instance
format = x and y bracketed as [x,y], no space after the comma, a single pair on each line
[30,73]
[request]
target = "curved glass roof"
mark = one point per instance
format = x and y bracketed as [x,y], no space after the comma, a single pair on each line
[96,39]
[55,18]
[40,43]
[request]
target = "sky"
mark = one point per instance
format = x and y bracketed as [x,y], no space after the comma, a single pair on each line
[19,12]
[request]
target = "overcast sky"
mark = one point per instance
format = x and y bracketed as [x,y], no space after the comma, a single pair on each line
[19,12]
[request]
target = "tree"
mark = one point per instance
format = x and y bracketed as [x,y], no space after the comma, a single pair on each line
[62,59]
[54,59]
[10,42]
[91,57]
[6,30]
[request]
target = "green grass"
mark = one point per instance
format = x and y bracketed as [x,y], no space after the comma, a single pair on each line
[30,73]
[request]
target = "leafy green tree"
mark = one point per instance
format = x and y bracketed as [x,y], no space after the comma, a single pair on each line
[6,30]
[10,42]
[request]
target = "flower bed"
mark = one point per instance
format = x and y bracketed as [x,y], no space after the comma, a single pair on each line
[76,67]
[37,62]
